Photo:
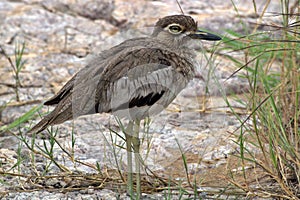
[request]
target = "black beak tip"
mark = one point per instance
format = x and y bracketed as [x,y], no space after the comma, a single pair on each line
[205,36]
[214,37]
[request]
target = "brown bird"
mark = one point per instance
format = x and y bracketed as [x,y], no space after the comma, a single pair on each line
[135,79]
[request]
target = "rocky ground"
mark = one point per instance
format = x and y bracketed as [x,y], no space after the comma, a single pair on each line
[60,34]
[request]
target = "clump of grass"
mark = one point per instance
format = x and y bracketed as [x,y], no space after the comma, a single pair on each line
[271,66]
[17,65]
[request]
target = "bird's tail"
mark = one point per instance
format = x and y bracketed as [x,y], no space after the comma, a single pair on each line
[55,117]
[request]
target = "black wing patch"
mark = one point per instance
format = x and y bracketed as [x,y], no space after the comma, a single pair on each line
[148,100]
[140,101]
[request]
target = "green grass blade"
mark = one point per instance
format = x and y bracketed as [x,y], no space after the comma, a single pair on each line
[24,118]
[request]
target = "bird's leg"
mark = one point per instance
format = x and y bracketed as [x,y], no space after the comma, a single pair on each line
[136,150]
[128,137]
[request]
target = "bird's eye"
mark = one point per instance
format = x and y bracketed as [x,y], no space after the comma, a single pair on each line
[175,29]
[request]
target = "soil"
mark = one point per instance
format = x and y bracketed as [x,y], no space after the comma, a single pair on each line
[59,37]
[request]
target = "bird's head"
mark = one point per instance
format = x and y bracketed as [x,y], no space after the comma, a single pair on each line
[180,29]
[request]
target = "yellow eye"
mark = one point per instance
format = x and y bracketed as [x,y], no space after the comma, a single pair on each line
[175,29]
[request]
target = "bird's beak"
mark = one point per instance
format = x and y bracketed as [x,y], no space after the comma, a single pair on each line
[202,35]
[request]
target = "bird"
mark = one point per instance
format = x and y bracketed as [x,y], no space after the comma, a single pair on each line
[134,80]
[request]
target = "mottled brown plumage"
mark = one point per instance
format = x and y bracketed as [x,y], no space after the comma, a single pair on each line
[135,79]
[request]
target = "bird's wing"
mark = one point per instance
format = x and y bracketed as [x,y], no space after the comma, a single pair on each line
[136,97]
[146,78]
